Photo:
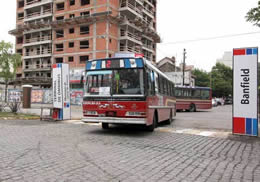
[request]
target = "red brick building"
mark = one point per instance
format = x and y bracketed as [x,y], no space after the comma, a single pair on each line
[74,31]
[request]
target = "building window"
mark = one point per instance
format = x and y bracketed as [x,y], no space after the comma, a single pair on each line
[60,6]
[83,59]
[59,60]
[71,44]
[60,18]
[72,15]
[20,4]
[19,40]
[59,47]
[110,55]
[59,33]
[71,30]
[110,40]
[84,44]
[84,2]
[19,51]
[20,16]
[85,13]
[72,2]
[84,30]
[71,59]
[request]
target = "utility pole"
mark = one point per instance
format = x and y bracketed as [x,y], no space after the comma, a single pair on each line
[183,66]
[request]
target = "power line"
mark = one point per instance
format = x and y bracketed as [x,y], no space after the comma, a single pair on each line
[210,38]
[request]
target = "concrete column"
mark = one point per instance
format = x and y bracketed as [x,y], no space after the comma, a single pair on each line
[107,38]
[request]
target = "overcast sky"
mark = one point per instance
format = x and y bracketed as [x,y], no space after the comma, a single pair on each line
[181,20]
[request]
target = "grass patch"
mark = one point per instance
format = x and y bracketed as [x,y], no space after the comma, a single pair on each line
[10,115]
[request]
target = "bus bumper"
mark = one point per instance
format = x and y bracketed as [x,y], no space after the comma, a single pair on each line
[114,120]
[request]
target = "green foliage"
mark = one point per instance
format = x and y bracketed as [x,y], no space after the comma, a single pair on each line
[8,61]
[253,15]
[8,64]
[202,78]
[221,80]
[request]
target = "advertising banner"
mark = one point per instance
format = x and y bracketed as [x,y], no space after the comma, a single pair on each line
[245,109]
[57,86]
[66,91]
[61,90]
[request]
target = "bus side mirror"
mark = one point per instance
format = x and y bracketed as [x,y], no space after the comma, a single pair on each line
[82,79]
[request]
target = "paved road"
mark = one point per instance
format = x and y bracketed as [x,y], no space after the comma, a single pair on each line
[47,151]
[216,118]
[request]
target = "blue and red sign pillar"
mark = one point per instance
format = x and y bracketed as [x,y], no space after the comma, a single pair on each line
[61,92]
[245,91]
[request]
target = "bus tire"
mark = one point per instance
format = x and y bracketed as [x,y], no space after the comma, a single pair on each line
[192,108]
[170,118]
[152,126]
[105,126]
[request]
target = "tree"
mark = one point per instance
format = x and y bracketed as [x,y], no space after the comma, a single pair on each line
[253,15]
[8,64]
[202,78]
[221,80]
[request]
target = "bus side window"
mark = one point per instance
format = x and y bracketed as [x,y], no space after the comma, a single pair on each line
[165,90]
[169,87]
[195,93]
[150,83]
[156,83]
[205,94]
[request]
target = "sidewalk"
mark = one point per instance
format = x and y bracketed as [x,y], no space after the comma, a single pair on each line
[76,111]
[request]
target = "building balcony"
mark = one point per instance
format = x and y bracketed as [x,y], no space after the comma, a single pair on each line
[148,2]
[38,54]
[148,12]
[130,36]
[127,22]
[130,10]
[35,3]
[38,67]
[140,1]
[148,48]
[36,15]
[133,49]
[40,80]
[37,41]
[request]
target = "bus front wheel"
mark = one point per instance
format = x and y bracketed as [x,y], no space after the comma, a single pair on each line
[105,126]
[192,108]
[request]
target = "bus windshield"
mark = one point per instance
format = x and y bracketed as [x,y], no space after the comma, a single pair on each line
[115,82]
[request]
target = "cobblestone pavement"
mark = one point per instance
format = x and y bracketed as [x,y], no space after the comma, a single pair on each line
[44,151]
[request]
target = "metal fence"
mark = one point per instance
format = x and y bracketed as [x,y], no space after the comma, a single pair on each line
[41,96]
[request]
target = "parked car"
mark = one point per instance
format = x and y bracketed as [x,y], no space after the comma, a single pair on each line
[228,101]
[214,103]
[220,101]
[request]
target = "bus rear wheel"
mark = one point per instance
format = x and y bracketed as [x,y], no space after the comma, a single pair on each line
[192,108]
[153,125]
[170,119]
[105,126]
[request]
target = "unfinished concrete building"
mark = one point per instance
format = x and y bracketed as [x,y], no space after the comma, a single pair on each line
[75,31]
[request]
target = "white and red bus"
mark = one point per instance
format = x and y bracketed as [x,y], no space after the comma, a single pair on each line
[193,98]
[127,91]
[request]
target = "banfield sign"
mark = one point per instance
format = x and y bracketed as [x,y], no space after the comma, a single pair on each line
[245,119]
